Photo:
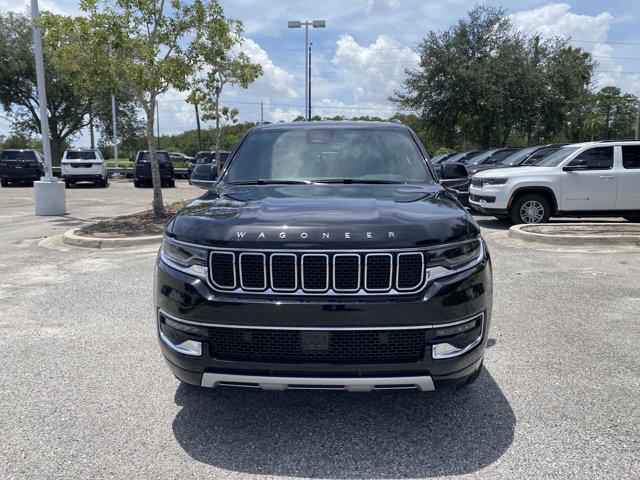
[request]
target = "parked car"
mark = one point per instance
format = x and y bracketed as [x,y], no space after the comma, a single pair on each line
[489,159]
[142,169]
[442,157]
[463,157]
[179,157]
[529,156]
[461,191]
[20,166]
[328,255]
[84,165]
[583,179]
[206,156]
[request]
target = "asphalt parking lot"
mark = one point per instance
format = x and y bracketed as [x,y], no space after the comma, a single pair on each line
[84,392]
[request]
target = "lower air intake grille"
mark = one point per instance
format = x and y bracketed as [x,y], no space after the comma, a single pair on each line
[317,346]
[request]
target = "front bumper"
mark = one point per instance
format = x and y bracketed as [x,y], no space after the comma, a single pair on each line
[493,198]
[188,303]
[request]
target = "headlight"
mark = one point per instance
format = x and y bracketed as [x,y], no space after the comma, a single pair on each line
[494,181]
[455,258]
[186,258]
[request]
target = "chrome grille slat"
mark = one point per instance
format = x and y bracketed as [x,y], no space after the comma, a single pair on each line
[313,271]
[343,267]
[251,274]
[403,271]
[277,264]
[376,272]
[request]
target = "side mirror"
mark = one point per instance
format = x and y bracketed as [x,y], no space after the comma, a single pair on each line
[575,165]
[204,175]
[449,171]
[453,175]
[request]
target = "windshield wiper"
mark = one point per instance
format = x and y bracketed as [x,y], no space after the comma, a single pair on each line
[264,181]
[354,180]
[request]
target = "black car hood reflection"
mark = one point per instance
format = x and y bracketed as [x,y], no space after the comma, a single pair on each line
[323,217]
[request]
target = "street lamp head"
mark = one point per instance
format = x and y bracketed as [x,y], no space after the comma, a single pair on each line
[295,24]
[319,23]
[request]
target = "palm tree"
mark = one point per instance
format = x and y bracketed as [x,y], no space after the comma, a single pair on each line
[593,123]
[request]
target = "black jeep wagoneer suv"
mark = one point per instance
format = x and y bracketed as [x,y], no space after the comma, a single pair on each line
[328,255]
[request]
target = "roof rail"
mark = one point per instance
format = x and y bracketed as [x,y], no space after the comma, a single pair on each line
[618,140]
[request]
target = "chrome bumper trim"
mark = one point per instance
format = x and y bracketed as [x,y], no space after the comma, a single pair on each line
[324,329]
[352,384]
[188,347]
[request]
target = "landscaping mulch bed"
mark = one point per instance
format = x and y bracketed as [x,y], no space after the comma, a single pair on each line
[139,224]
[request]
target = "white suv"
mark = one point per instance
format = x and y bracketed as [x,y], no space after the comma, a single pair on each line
[582,179]
[84,165]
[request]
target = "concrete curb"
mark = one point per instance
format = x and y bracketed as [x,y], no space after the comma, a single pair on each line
[70,237]
[520,232]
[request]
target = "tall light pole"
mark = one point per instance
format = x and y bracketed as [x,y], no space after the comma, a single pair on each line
[50,198]
[307,77]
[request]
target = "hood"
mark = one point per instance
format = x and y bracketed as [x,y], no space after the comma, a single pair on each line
[513,172]
[323,216]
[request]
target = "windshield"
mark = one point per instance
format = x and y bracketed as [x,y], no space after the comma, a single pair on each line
[163,157]
[518,156]
[80,155]
[555,158]
[380,154]
[17,155]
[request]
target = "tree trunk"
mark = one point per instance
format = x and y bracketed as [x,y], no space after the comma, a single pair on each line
[218,162]
[158,205]
[485,137]
[91,133]
[56,144]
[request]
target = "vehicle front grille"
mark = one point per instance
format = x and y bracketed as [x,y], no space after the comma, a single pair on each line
[336,273]
[349,346]
[476,182]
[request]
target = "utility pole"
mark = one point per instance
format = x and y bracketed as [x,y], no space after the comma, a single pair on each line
[50,196]
[638,121]
[198,123]
[307,54]
[261,113]
[309,87]
[157,125]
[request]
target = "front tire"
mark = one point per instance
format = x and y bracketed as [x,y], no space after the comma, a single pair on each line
[530,208]
[4,183]
[136,183]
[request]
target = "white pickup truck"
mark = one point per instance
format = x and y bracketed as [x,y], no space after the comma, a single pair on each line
[582,179]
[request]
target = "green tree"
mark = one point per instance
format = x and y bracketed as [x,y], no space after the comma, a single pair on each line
[221,38]
[593,123]
[481,82]
[153,45]
[68,110]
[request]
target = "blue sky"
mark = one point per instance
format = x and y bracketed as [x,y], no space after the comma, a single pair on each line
[360,57]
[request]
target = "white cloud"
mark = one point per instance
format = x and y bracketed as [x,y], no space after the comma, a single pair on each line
[378,6]
[556,19]
[280,115]
[275,81]
[588,32]
[374,71]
